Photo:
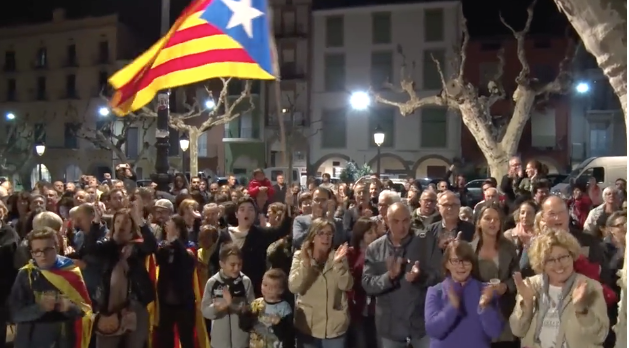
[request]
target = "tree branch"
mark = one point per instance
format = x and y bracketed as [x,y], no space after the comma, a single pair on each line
[520,36]
[564,80]
[463,49]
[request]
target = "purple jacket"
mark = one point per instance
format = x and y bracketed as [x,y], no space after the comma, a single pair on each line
[468,326]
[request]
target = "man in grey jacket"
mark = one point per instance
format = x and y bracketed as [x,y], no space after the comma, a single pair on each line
[399,268]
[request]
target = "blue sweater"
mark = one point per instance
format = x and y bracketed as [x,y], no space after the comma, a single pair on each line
[468,326]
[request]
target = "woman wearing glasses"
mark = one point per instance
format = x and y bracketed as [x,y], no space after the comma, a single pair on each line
[462,311]
[558,307]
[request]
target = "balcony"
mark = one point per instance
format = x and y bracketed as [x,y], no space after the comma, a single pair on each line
[291,120]
[291,32]
[290,71]
[242,134]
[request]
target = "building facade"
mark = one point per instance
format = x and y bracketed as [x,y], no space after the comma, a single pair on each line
[355,49]
[546,137]
[50,84]
[292,28]
[597,125]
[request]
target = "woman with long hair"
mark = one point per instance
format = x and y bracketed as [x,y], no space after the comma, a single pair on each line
[524,230]
[320,278]
[462,311]
[175,290]
[361,307]
[558,307]
[497,261]
[126,288]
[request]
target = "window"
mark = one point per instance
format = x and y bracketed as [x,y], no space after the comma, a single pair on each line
[103,52]
[433,25]
[381,68]
[432,79]
[41,88]
[434,127]
[334,31]
[71,52]
[104,127]
[70,140]
[11,90]
[385,118]
[202,145]
[381,28]
[288,67]
[596,172]
[131,146]
[71,86]
[173,139]
[9,61]
[42,58]
[39,132]
[600,141]
[334,72]
[288,22]
[334,129]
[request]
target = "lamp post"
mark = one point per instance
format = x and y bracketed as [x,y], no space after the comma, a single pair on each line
[378,138]
[40,148]
[184,144]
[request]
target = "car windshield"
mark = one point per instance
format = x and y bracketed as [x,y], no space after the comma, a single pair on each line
[576,171]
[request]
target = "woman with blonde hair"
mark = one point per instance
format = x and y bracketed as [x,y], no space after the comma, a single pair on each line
[497,262]
[558,307]
[320,278]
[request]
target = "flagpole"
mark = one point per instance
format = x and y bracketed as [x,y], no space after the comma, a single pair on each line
[161,177]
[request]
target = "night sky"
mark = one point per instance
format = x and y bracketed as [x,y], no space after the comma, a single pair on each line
[143,15]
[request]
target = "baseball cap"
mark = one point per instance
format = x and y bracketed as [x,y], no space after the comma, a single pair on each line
[164,204]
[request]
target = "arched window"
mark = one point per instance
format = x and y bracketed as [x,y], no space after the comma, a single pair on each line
[73,173]
[40,172]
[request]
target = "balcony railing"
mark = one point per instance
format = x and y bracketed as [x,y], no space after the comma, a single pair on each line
[291,32]
[242,133]
[296,119]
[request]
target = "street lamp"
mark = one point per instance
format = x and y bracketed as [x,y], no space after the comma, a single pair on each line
[582,88]
[40,148]
[378,138]
[10,116]
[209,104]
[103,111]
[359,101]
[184,144]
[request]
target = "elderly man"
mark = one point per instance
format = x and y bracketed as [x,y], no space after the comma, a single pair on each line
[611,203]
[385,200]
[427,213]
[162,210]
[450,225]
[399,267]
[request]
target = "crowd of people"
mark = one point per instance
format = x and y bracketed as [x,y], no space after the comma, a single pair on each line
[109,264]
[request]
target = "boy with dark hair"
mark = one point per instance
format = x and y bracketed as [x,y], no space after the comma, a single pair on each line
[227,295]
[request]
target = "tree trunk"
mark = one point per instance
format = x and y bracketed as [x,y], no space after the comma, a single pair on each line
[194,152]
[602,25]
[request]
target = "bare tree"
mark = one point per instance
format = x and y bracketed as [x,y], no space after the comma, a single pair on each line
[497,143]
[602,26]
[18,146]
[112,132]
[223,111]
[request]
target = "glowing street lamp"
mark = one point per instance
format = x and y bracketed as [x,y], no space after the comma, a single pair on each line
[10,116]
[103,111]
[359,100]
[209,104]
[582,88]
[40,148]
[184,142]
[378,136]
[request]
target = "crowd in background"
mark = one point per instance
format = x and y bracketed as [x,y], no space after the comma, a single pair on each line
[110,264]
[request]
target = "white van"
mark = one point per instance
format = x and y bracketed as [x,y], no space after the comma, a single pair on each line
[606,170]
[272,173]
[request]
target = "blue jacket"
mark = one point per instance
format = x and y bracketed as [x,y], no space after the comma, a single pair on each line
[467,326]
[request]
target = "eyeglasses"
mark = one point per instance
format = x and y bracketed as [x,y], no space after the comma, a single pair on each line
[42,252]
[459,262]
[558,260]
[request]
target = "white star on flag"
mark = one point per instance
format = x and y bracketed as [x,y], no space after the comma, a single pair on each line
[242,14]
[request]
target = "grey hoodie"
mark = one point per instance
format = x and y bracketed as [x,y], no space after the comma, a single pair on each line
[226,331]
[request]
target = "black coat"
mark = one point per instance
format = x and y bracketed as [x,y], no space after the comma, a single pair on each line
[176,273]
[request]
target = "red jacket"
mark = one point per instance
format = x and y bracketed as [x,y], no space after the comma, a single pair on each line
[580,209]
[593,271]
[357,298]
[254,188]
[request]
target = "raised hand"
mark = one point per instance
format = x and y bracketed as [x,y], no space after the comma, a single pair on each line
[305,254]
[524,290]
[340,253]
[394,267]
[48,302]
[579,293]
[98,214]
[227,296]
[414,273]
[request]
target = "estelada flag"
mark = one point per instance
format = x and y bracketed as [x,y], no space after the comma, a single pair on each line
[212,38]
[67,278]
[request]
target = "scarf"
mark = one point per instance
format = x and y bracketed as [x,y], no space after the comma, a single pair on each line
[543,304]
[238,237]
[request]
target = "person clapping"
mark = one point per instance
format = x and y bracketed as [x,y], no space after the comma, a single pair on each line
[461,310]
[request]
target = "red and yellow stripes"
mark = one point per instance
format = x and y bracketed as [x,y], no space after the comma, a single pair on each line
[192,51]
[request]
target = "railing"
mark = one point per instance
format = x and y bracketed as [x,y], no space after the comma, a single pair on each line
[242,133]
